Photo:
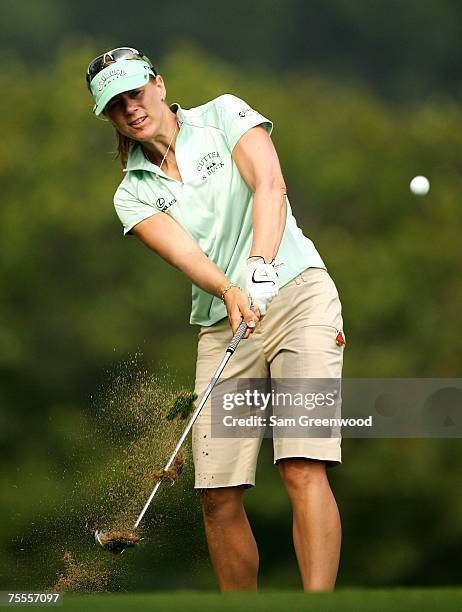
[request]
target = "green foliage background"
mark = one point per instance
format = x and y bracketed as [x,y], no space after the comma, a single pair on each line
[77,300]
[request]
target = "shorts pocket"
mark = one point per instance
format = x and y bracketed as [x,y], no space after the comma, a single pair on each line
[337,333]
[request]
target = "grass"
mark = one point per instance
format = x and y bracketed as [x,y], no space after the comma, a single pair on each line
[345,600]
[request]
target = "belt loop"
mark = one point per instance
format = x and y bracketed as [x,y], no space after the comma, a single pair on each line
[298,280]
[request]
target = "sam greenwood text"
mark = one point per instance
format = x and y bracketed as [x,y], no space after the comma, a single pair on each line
[302,421]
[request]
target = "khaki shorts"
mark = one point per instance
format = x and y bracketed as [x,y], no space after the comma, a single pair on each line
[296,338]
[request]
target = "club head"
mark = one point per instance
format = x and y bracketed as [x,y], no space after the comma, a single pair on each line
[116,542]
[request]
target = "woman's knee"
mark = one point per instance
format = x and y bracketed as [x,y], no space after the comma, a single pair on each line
[299,474]
[222,503]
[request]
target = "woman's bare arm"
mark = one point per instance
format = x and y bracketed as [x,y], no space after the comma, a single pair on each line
[258,164]
[167,238]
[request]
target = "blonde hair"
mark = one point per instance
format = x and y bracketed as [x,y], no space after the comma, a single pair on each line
[124,146]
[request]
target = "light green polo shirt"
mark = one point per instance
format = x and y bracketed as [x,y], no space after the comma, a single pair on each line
[213,203]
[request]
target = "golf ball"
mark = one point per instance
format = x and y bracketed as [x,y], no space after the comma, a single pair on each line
[420,185]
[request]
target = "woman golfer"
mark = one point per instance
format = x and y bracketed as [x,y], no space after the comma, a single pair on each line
[203,188]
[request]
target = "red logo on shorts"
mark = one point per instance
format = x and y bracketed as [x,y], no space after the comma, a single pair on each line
[340,339]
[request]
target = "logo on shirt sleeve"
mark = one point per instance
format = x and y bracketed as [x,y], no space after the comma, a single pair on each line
[247,111]
[209,164]
[163,205]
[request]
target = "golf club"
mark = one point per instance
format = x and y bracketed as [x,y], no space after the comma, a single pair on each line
[117,541]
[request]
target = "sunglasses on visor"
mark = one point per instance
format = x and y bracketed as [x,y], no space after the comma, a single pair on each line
[120,53]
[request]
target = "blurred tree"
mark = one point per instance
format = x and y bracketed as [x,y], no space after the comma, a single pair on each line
[403,50]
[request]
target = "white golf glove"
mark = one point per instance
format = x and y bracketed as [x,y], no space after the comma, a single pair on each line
[261,282]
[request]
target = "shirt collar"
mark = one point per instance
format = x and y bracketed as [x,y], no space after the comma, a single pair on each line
[137,159]
[180,113]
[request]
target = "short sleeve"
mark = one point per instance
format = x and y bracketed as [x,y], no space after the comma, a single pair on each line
[131,210]
[237,117]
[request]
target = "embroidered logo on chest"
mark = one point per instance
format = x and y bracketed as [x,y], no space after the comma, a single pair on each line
[209,164]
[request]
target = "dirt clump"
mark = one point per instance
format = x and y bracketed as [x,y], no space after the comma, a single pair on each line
[172,474]
[117,541]
[181,405]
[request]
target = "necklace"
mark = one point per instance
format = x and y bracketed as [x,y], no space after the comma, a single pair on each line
[170,144]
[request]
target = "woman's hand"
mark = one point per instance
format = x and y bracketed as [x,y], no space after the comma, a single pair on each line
[237,305]
[261,282]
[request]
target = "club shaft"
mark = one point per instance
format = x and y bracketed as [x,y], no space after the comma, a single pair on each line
[229,352]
